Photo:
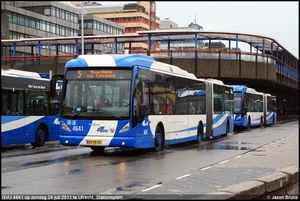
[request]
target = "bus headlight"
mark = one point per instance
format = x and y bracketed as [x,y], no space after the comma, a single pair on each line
[125,128]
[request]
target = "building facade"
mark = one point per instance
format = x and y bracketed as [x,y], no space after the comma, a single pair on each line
[46,19]
[140,16]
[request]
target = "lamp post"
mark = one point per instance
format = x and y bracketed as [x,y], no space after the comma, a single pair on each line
[82,32]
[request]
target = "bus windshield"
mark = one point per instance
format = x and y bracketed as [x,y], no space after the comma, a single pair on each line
[100,94]
[237,102]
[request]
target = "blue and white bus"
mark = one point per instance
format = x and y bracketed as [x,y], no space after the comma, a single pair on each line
[153,117]
[23,119]
[251,108]
[270,109]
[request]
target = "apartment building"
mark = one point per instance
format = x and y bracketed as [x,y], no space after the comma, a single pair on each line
[140,16]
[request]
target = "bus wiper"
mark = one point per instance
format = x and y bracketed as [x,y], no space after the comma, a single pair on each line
[75,115]
[117,117]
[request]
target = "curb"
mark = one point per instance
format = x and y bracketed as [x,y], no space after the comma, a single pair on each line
[284,183]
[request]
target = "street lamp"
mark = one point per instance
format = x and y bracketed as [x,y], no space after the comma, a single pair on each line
[82,32]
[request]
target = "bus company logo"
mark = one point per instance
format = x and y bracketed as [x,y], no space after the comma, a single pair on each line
[102,129]
[145,123]
[56,121]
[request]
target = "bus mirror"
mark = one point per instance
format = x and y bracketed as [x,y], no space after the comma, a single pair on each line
[142,111]
[53,87]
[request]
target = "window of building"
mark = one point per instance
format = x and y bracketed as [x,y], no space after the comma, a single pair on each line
[75,19]
[63,15]
[101,27]
[43,26]
[47,11]
[67,16]
[57,30]
[57,12]
[26,22]
[22,20]
[47,27]
[14,19]
[53,11]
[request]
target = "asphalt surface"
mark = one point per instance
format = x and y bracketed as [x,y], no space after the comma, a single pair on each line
[212,182]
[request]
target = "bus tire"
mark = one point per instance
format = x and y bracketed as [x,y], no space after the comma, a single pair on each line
[98,149]
[249,124]
[227,128]
[200,133]
[40,136]
[159,139]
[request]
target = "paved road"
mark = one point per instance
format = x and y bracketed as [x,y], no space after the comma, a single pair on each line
[214,182]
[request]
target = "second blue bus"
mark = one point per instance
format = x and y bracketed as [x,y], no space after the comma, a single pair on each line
[23,119]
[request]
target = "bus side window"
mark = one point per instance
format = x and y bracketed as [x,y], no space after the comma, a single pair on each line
[6,112]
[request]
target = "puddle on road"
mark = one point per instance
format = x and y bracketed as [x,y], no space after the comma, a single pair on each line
[227,146]
[130,186]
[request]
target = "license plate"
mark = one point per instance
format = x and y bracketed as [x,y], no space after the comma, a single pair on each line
[94,141]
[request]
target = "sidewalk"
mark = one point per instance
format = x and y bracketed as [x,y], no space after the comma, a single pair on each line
[247,176]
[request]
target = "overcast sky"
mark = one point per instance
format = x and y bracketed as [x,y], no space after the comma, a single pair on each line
[277,20]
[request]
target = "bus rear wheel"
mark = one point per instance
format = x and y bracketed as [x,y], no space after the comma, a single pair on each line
[249,124]
[200,133]
[159,139]
[40,136]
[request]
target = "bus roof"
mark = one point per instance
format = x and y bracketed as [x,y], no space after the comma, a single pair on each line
[110,60]
[23,80]
[20,73]
[127,60]
[244,88]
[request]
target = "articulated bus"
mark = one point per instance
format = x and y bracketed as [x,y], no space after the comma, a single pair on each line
[252,108]
[25,119]
[94,112]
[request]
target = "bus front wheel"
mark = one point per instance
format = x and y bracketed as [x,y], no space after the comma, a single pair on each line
[159,139]
[40,136]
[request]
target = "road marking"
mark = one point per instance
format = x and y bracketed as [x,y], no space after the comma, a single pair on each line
[206,168]
[224,161]
[183,176]
[151,188]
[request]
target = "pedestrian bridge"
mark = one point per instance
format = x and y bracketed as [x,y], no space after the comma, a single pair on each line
[262,72]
